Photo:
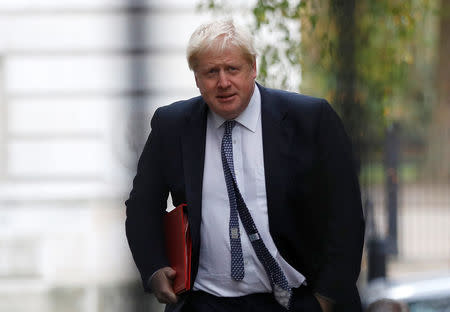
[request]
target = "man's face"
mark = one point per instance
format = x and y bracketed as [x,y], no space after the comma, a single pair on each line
[226,81]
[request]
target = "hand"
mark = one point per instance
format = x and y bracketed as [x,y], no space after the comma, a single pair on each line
[161,285]
[325,304]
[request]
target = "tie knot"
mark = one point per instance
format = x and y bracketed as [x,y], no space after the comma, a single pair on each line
[229,124]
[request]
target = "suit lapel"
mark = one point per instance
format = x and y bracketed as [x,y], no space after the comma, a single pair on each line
[193,155]
[276,141]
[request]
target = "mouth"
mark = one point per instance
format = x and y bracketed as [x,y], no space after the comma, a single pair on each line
[225,97]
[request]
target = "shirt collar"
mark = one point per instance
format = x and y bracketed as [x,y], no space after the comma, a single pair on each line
[249,117]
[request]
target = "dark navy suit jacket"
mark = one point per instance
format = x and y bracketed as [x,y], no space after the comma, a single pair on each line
[313,197]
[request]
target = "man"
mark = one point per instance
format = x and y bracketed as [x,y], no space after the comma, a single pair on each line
[269,182]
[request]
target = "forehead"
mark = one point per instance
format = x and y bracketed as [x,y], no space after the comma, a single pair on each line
[230,55]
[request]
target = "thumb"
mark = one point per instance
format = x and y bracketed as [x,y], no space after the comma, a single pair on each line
[170,273]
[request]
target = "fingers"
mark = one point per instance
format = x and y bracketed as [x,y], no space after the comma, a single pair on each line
[166,296]
[161,284]
[170,273]
[325,304]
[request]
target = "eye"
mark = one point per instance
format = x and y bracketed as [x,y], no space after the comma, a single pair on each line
[211,72]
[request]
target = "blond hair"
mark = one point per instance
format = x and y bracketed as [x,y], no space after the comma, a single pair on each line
[218,36]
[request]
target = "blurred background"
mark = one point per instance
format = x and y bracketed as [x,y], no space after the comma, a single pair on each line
[80,80]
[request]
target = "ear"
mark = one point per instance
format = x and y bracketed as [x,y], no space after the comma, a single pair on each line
[254,69]
[196,80]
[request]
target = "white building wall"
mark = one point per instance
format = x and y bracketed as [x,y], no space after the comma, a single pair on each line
[79,81]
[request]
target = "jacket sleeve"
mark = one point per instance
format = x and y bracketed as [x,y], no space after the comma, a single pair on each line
[344,225]
[146,206]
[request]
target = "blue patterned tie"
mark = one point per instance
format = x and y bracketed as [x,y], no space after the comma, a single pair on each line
[280,286]
[237,261]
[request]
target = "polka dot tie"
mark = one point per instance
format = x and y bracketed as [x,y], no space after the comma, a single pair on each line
[281,289]
[237,261]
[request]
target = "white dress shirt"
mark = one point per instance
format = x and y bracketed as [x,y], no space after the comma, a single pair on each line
[214,272]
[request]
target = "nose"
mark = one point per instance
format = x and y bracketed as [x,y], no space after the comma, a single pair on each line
[223,82]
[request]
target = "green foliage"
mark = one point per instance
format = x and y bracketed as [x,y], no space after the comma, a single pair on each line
[390,46]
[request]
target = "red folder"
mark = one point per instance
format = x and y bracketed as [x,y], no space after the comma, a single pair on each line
[179,247]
